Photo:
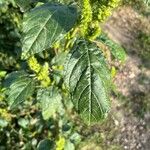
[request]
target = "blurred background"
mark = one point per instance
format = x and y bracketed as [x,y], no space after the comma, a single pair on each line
[127,126]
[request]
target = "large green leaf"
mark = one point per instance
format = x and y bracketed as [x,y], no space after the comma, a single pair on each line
[45,25]
[88,80]
[50,101]
[20,89]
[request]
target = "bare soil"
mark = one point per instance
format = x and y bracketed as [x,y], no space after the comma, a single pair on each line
[131,108]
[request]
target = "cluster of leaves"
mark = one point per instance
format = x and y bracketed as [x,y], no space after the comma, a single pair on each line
[80,74]
[86,72]
[10,19]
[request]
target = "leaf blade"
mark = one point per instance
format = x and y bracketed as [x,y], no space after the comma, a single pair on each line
[45,25]
[87,77]
[117,51]
[19,91]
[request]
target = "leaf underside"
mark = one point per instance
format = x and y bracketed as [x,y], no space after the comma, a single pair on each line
[87,78]
[45,25]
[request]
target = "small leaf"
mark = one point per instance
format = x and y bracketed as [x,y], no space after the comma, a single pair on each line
[50,101]
[75,138]
[23,122]
[88,80]
[45,145]
[19,90]
[3,123]
[69,145]
[117,51]
[2,74]
[24,5]
[45,25]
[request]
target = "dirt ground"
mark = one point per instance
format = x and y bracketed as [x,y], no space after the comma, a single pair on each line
[131,106]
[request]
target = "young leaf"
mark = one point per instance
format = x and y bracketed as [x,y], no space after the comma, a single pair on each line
[88,79]
[117,51]
[45,25]
[50,101]
[20,89]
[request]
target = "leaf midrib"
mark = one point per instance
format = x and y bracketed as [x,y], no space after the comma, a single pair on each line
[90,84]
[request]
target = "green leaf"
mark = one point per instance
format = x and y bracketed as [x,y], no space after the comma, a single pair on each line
[23,122]
[19,90]
[88,80]
[59,59]
[10,78]
[69,145]
[2,74]
[45,144]
[3,123]
[117,51]
[75,138]
[45,25]
[50,101]
[24,5]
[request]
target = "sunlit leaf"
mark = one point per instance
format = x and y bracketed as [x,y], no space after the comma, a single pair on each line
[45,25]
[87,78]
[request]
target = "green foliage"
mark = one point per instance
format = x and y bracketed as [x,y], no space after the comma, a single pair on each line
[116,50]
[86,74]
[47,24]
[45,145]
[24,5]
[63,72]
[20,89]
[147,2]
[87,77]
[50,101]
